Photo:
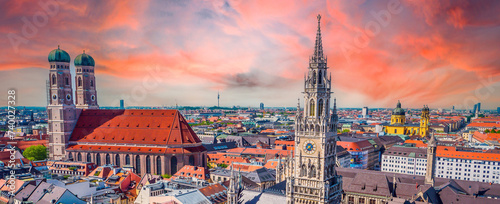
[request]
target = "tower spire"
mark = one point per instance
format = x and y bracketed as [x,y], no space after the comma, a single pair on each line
[318,47]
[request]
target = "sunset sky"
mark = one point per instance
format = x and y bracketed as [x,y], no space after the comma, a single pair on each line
[153,53]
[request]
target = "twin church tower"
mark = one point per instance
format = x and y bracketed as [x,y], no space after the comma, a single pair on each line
[61,110]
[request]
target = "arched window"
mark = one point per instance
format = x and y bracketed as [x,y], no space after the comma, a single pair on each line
[312,172]
[70,156]
[117,160]
[303,170]
[79,81]
[191,160]
[320,77]
[98,159]
[314,77]
[137,164]
[320,107]
[158,165]
[79,156]
[173,165]
[89,157]
[108,159]
[66,80]
[53,79]
[127,160]
[312,108]
[92,83]
[148,164]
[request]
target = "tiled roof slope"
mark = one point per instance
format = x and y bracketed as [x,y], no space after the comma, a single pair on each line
[160,127]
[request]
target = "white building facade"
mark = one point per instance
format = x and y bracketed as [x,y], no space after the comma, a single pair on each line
[450,163]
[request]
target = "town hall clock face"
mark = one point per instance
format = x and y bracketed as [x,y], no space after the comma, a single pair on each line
[309,146]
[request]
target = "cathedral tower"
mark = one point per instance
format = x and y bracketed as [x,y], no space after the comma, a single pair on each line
[314,179]
[424,122]
[86,94]
[61,110]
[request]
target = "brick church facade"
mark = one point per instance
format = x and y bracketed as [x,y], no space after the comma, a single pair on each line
[151,141]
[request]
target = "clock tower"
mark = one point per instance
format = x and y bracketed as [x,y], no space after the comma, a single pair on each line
[314,179]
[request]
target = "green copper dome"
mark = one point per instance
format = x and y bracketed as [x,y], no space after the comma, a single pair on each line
[84,60]
[59,55]
[398,110]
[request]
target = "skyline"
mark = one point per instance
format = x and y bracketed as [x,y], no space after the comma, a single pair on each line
[253,53]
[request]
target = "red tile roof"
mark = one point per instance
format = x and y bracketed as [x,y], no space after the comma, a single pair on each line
[157,150]
[485,125]
[481,137]
[194,172]
[160,127]
[418,143]
[451,152]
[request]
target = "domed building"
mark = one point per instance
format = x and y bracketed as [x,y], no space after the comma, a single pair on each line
[150,141]
[398,125]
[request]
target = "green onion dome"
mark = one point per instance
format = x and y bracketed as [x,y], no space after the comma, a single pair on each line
[59,55]
[84,60]
[398,110]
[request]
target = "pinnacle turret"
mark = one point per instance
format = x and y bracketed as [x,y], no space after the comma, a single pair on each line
[318,47]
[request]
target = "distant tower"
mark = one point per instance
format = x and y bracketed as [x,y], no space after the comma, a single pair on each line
[424,122]
[314,178]
[218,98]
[398,115]
[61,109]
[478,107]
[86,94]
[431,160]
[122,104]
[364,112]
[261,106]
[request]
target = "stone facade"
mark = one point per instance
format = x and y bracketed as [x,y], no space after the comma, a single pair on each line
[314,179]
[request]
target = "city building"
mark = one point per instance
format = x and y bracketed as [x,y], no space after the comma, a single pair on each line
[122,104]
[364,112]
[70,168]
[152,141]
[450,162]
[261,106]
[399,125]
[363,153]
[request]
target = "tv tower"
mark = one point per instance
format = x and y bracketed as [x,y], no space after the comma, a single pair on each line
[218,98]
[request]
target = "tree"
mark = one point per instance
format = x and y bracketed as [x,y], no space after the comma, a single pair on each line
[487,131]
[35,153]
[222,165]
[493,131]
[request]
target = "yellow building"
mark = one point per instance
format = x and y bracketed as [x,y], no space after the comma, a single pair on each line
[399,126]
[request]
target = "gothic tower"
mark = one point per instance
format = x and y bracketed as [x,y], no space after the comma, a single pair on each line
[86,94]
[314,179]
[61,110]
[431,160]
[424,122]
[235,187]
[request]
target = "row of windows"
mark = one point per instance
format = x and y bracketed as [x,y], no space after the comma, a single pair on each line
[85,70]
[173,162]
[60,66]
